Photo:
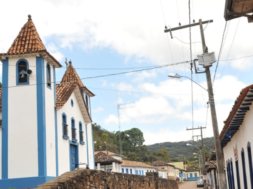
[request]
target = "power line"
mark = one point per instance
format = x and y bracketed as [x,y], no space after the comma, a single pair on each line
[230,48]
[113,74]
[221,47]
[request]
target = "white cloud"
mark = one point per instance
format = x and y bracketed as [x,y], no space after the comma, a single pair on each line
[99,109]
[138,77]
[126,27]
[55,51]
[111,119]
[120,101]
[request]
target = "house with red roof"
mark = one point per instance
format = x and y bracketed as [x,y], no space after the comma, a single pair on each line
[236,141]
[45,127]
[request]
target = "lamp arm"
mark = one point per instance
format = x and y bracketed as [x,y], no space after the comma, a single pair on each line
[195,83]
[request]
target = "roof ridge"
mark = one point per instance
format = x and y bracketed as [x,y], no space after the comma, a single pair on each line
[71,76]
[27,41]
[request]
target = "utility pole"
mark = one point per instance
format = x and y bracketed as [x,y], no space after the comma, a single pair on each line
[219,158]
[203,151]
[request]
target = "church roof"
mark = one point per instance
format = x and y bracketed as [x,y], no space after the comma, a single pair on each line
[28,42]
[71,76]
[70,83]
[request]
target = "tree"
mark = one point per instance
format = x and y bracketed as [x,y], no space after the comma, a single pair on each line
[163,154]
[135,136]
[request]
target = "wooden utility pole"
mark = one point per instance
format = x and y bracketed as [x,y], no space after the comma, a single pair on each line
[202,148]
[219,157]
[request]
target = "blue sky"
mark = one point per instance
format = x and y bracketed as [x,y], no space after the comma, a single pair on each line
[127,34]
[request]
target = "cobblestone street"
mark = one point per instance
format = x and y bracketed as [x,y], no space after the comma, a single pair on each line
[188,185]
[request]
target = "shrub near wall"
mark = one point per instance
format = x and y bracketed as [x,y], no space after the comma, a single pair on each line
[93,179]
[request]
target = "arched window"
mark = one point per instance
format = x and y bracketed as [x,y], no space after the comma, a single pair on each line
[48,76]
[244,170]
[64,126]
[232,174]
[81,133]
[73,128]
[87,102]
[237,175]
[250,164]
[22,76]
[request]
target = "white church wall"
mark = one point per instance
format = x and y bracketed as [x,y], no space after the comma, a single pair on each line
[1,153]
[22,158]
[50,124]
[90,147]
[241,139]
[63,144]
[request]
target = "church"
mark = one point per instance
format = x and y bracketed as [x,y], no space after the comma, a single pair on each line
[45,127]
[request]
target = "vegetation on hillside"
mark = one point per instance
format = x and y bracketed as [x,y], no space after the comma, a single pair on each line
[133,147]
[132,144]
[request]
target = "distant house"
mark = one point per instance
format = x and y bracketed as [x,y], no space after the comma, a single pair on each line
[211,170]
[126,166]
[170,169]
[237,141]
[192,174]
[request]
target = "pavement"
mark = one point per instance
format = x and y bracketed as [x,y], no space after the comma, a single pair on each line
[189,185]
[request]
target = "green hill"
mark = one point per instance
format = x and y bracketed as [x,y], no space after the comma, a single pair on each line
[179,150]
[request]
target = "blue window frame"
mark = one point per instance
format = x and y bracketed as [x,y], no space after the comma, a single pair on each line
[237,175]
[228,176]
[131,171]
[126,171]
[195,175]
[136,172]
[250,164]
[86,99]
[190,175]
[142,172]
[73,128]
[48,69]
[244,170]
[139,172]
[64,126]
[72,102]
[232,174]
[81,133]
[22,78]
[122,170]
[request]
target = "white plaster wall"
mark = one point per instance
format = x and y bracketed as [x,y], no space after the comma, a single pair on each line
[144,169]
[241,139]
[50,124]
[63,144]
[90,147]
[0,153]
[22,124]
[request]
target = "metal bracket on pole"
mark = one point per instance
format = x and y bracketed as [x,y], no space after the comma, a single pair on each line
[169,31]
[195,67]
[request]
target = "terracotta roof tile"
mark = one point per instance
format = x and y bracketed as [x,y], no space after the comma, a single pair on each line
[104,151]
[135,164]
[103,159]
[160,163]
[27,41]
[235,107]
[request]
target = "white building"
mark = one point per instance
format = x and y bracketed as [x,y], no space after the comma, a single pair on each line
[46,128]
[117,164]
[236,141]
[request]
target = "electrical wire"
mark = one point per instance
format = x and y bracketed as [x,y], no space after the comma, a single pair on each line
[229,51]
[185,42]
[113,74]
[221,47]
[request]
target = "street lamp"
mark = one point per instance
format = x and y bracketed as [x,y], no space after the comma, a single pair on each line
[179,76]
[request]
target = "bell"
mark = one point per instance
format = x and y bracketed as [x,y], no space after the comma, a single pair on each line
[22,75]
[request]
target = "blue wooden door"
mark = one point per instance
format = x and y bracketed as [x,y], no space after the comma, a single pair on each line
[73,157]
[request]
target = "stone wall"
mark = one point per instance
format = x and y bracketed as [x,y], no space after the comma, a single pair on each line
[93,179]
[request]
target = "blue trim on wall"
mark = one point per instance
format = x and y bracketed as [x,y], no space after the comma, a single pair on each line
[5,70]
[92,145]
[73,125]
[81,132]
[77,149]
[64,136]
[72,103]
[41,120]
[27,182]
[56,128]
[49,76]
[86,132]
[17,73]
